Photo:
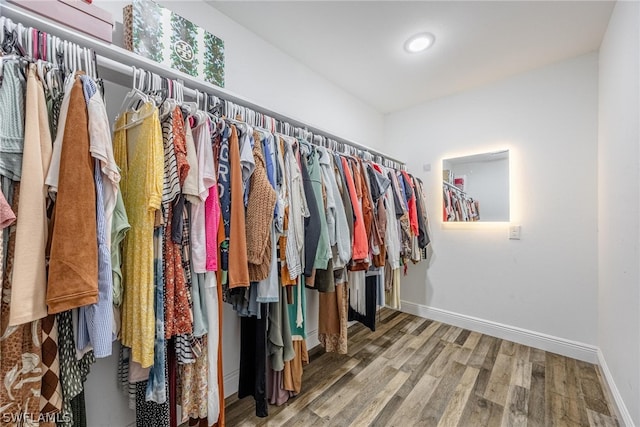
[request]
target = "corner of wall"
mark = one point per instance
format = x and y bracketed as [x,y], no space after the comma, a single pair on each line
[615,396]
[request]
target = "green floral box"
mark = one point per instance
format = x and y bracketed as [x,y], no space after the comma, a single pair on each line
[157,33]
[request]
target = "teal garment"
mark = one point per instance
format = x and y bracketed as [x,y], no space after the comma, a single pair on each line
[12,94]
[198,291]
[323,252]
[119,227]
[299,307]
[279,342]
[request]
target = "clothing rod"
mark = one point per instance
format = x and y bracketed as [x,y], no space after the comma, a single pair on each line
[120,61]
[454,187]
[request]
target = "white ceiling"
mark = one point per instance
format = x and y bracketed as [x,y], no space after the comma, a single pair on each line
[358,44]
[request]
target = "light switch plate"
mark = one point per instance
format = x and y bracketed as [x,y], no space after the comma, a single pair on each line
[514,232]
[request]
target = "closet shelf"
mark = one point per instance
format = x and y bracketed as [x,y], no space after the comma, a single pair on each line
[116,65]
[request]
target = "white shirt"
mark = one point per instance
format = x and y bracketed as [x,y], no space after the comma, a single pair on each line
[298,211]
[339,235]
[101,149]
[206,180]
[54,167]
[190,188]
[392,234]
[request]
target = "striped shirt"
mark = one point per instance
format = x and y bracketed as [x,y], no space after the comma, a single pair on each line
[298,210]
[95,321]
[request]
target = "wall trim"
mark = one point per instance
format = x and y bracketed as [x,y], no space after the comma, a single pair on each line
[565,347]
[623,411]
[231,383]
[312,339]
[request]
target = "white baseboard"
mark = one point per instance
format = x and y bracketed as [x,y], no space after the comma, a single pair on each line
[623,413]
[565,347]
[231,383]
[231,379]
[312,339]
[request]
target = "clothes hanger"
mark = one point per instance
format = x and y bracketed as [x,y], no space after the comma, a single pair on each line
[191,108]
[133,97]
[41,70]
[3,23]
[42,45]
[169,104]
[217,107]
[200,115]
[54,80]
[29,42]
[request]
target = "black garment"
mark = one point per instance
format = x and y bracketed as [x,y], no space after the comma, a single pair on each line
[311,223]
[368,318]
[172,382]
[253,360]
[79,410]
[176,219]
[149,414]
[397,203]
[378,183]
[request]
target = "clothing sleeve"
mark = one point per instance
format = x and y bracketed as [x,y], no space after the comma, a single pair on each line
[157,165]
[7,217]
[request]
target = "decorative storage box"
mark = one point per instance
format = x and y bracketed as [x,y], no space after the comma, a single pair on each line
[157,33]
[77,14]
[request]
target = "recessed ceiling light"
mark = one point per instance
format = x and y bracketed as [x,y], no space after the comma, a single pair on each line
[419,42]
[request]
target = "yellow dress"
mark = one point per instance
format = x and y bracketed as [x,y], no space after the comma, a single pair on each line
[138,151]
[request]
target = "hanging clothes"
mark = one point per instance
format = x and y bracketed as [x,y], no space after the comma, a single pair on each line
[312,223]
[151,398]
[260,208]
[176,307]
[156,389]
[73,265]
[206,180]
[29,299]
[253,368]
[337,223]
[12,111]
[367,314]
[360,245]
[238,264]
[214,365]
[298,212]
[333,319]
[19,345]
[193,386]
[73,371]
[95,321]
[323,250]
[139,153]
[181,212]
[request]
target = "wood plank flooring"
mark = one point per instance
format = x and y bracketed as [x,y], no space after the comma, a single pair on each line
[417,372]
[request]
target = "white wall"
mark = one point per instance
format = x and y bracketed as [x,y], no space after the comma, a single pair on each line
[619,203]
[545,282]
[263,74]
[260,72]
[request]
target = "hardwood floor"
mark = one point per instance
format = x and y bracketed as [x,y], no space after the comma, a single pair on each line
[416,372]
